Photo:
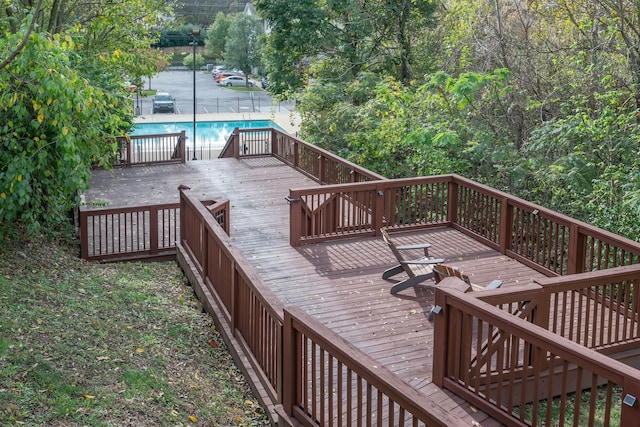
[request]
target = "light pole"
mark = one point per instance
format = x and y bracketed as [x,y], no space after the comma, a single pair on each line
[195,33]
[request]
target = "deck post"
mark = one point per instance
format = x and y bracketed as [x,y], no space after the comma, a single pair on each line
[84,234]
[321,171]
[183,205]
[576,256]
[289,375]
[236,143]
[452,202]
[506,213]
[153,230]
[274,142]
[128,162]
[630,402]
[183,149]
[295,219]
[378,209]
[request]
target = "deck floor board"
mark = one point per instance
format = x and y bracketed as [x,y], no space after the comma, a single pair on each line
[338,282]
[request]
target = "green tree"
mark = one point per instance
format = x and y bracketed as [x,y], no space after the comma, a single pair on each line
[188,61]
[242,49]
[55,125]
[62,102]
[401,131]
[337,40]
[217,36]
[586,165]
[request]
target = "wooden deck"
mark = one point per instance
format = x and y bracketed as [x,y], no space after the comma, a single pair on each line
[339,282]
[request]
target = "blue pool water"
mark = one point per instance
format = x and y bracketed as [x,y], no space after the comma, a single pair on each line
[208,134]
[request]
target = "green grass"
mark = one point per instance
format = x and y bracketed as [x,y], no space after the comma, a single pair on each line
[110,345]
[245,88]
[599,414]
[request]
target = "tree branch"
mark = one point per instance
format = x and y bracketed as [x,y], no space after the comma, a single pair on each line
[25,39]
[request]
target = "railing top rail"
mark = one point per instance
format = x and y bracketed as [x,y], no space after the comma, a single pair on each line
[155,135]
[268,299]
[510,294]
[370,370]
[387,183]
[608,237]
[92,210]
[591,278]
[329,154]
[251,130]
[595,362]
[578,281]
[622,242]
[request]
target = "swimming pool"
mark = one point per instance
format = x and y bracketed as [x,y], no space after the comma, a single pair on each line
[208,134]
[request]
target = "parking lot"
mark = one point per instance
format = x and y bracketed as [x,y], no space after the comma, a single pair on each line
[210,98]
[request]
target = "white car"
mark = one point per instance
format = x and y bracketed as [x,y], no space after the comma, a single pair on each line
[236,81]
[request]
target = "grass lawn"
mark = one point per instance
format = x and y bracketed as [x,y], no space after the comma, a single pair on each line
[110,345]
[245,88]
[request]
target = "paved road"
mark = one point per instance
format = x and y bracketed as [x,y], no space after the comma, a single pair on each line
[210,98]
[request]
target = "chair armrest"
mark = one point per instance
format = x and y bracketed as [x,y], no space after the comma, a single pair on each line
[495,284]
[419,246]
[424,246]
[424,261]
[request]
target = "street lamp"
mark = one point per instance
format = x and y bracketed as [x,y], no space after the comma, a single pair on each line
[195,33]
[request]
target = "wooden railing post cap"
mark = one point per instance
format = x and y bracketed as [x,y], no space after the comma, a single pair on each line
[183,187]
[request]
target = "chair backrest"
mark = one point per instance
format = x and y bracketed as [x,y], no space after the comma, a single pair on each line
[440,271]
[392,246]
[407,269]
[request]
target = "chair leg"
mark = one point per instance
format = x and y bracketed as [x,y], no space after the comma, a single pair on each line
[392,271]
[412,281]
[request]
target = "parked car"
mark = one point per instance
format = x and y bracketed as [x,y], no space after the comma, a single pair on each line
[130,87]
[225,74]
[217,70]
[236,81]
[163,102]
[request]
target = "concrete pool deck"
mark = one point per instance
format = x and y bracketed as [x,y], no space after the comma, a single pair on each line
[289,121]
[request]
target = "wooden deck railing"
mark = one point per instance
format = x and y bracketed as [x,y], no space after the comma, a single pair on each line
[588,314]
[513,369]
[319,365]
[140,232]
[331,383]
[525,344]
[320,165]
[250,310]
[129,233]
[549,242]
[599,310]
[361,209]
[150,149]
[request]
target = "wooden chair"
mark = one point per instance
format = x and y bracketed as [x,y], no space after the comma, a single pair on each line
[440,271]
[418,270]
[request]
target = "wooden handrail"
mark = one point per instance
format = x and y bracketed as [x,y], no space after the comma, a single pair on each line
[151,149]
[318,164]
[547,241]
[313,348]
[128,232]
[238,289]
[539,353]
[256,317]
